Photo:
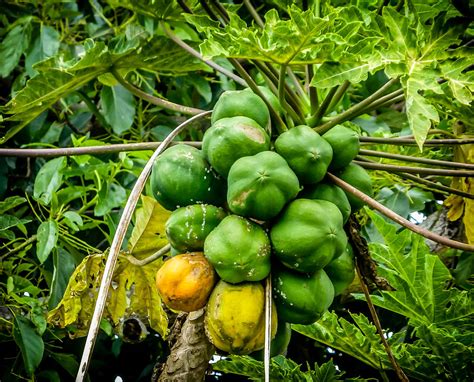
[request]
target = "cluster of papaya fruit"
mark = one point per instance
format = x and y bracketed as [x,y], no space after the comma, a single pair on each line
[245,205]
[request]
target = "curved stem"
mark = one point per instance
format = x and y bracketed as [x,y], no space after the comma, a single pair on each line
[397,218]
[415,170]
[341,90]
[199,56]
[93,108]
[407,158]
[312,91]
[117,244]
[155,100]
[254,13]
[316,117]
[88,150]
[354,110]
[390,98]
[412,142]
[160,253]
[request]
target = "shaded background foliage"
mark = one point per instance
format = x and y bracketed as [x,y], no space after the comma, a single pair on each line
[58,216]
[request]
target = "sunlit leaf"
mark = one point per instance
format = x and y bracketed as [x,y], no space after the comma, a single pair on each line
[49,179]
[45,44]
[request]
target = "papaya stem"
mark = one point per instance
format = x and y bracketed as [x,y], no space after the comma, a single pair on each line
[316,117]
[397,218]
[165,104]
[411,141]
[312,91]
[268,327]
[341,90]
[415,170]
[147,260]
[253,12]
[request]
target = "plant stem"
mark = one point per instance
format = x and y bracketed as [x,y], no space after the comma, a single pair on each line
[398,370]
[397,218]
[296,82]
[221,10]
[117,245]
[341,90]
[412,142]
[393,96]
[415,170]
[88,150]
[155,100]
[312,91]
[22,245]
[160,253]
[316,117]
[198,55]
[253,12]
[354,110]
[407,158]
[93,108]
[183,5]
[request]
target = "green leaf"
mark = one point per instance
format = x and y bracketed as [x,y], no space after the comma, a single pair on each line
[118,106]
[10,221]
[45,45]
[49,179]
[110,196]
[73,220]
[148,234]
[64,265]
[47,239]
[14,45]
[30,343]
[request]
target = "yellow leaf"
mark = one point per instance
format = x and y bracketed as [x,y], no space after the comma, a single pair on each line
[468,219]
[148,235]
[455,203]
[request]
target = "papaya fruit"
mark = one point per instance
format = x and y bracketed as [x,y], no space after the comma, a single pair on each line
[331,193]
[234,103]
[239,250]
[229,139]
[341,271]
[185,281]
[357,177]
[270,97]
[301,298]
[306,152]
[279,344]
[308,235]
[345,146]
[260,185]
[235,317]
[181,176]
[187,227]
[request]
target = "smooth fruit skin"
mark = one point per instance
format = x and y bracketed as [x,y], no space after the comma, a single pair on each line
[232,138]
[301,298]
[271,98]
[235,317]
[259,186]
[331,193]
[357,177]
[345,145]
[341,271]
[181,176]
[239,250]
[279,344]
[187,227]
[185,281]
[308,235]
[306,152]
[234,103]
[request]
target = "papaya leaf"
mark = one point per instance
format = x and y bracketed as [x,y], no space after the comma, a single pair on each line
[133,292]
[359,340]
[161,10]
[148,234]
[30,343]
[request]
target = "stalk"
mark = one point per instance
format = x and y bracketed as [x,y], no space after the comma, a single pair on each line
[316,117]
[415,170]
[412,142]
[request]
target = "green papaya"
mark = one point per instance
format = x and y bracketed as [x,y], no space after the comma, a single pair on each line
[301,298]
[181,176]
[341,271]
[187,227]
[234,103]
[306,152]
[239,250]
[235,317]
[308,235]
[331,193]
[271,98]
[357,177]
[229,139]
[345,146]
[279,344]
[260,185]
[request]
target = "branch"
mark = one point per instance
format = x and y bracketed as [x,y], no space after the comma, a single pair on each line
[341,90]
[397,218]
[268,327]
[312,91]
[412,142]
[117,244]
[254,13]
[160,253]
[415,170]
[407,158]
[316,117]
[88,150]
[155,100]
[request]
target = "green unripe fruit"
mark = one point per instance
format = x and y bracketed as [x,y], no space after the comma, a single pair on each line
[345,145]
[232,138]
[357,177]
[279,344]
[306,152]
[187,227]
[239,250]
[301,298]
[341,271]
[308,235]
[331,193]
[235,103]
[270,97]
[259,186]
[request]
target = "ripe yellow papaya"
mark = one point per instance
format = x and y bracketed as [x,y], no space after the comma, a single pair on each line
[235,317]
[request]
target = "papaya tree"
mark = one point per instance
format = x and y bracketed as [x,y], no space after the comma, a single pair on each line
[345,124]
